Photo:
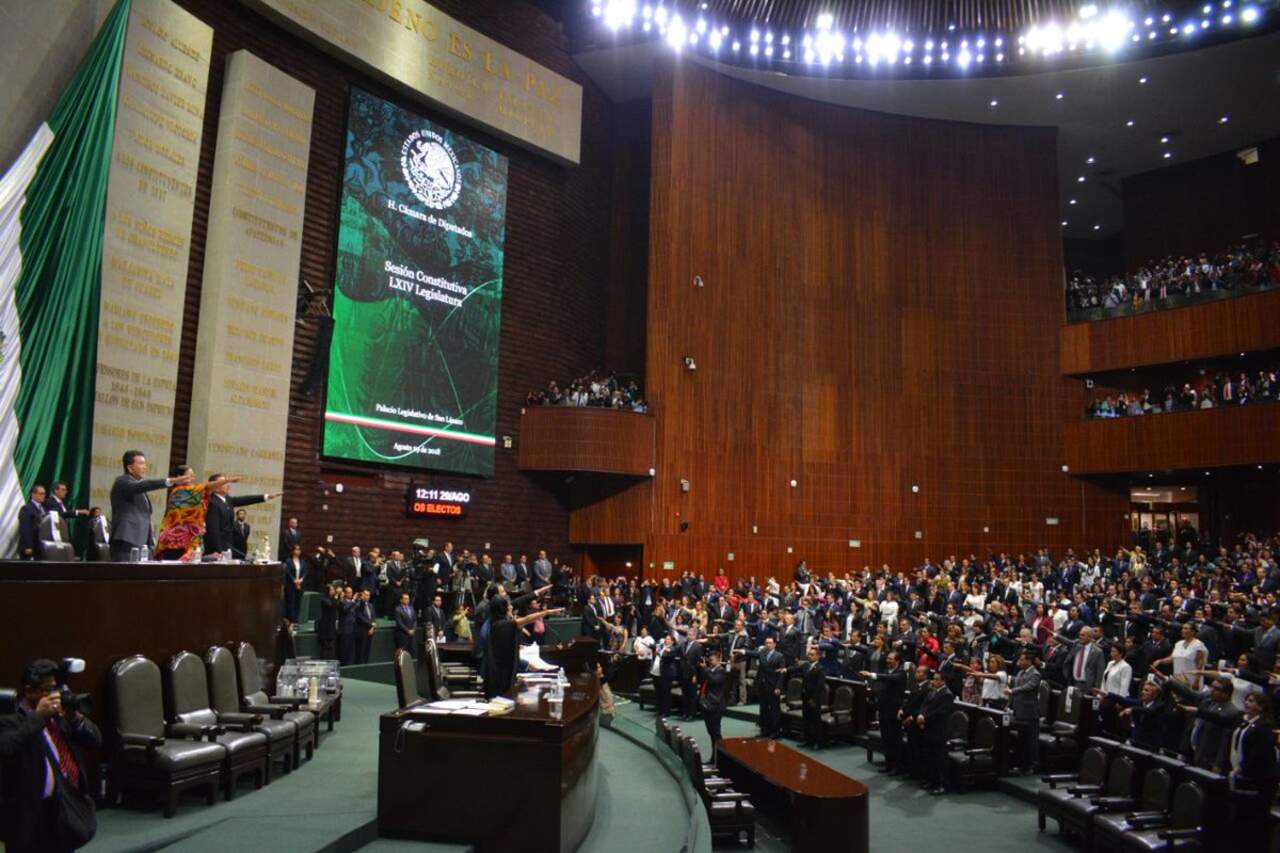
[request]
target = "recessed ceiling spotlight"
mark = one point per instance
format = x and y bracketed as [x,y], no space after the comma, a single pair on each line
[1064,223]
[1129,123]
[994,103]
[1097,228]
[1249,14]
[1224,119]
[1142,81]
[1073,201]
[1059,96]
[1080,180]
[1164,140]
[1091,160]
[1168,155]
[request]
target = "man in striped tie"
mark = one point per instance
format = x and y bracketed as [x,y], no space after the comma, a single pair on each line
[39,744]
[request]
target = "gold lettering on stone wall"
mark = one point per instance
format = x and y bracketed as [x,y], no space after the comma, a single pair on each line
[418,47]
[147,240]
[244,348]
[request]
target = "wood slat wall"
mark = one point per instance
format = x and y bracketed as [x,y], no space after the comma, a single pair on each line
[881,310]
[1244,324]
[1214,438]
[556,438]
[553,311]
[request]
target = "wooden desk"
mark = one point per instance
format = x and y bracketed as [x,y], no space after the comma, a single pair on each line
[826,810]
[103,612]
[523,781]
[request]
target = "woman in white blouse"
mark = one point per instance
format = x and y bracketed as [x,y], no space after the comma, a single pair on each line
[1118,675]
[1188,657]
[977,599]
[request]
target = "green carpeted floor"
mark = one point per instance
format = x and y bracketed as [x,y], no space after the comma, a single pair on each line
[904,819]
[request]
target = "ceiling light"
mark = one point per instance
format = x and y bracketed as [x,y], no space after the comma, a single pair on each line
[1080,180]
[1249,14]
[1059,96]
[1097,228]
[825,21]
[1129,123]
[994,103]
[1142,80]
[1091,160]
[1064,223]
[676,33]
[1224,119]
[786,39]
[1164,140]
[736,46]
[1168,155]
[1073,201]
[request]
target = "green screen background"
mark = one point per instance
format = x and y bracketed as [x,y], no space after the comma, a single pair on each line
[394,348]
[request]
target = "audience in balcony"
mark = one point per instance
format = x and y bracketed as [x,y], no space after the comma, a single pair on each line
[597,388]
[1224,388]
[1239,267]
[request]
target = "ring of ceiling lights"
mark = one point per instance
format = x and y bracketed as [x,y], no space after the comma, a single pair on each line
[1096,35]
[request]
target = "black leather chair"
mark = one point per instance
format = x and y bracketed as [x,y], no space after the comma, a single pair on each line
[1108,827]
[1064,787]
[406,679]
[224,697]
[186,696]
[975,763]
[729,812]
[1180,829]
[255,700]
[837,721]
[152,758]
[434,686]
[793,713]
[1076,815]
[1067,735]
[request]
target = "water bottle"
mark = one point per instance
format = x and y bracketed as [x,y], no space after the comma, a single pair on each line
[197,554]
[145,553]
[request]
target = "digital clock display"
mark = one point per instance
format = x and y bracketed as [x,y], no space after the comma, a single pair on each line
[431,502]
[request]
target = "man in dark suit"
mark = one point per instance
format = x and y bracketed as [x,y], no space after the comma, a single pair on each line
[406,623]
[813,691]
[358,571]
[890,686]
[289,537]
[668,672]
[57,502]
[590,626]
[433,616]
[42,739]
[131,508]
[1085,664]
[219,527]
[932,719]
[692,654]
[327,624]
[29,518]
[240,533]
[770,674]
[364,626]
[347,627]
[715,687]
[1024,702]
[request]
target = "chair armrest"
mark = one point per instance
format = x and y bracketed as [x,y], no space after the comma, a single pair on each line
[973,752]
[248,721]
[190,730]
[275,712]
[294,701]
[1083,790]
[1053,779]
[1114,804]
[151,742]
[1176,834]
[1145,820]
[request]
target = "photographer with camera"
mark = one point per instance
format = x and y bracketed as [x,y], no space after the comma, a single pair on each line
[44,802]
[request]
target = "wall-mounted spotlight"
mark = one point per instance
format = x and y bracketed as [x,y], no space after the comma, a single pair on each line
[698,282]
[684,485]
[689,363]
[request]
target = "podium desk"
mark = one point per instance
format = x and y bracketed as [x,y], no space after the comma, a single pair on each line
[526,780]
[824,809]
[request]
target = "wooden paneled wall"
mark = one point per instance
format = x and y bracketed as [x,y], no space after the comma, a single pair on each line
[553,309]
[1226,327]
[881,312]
[1201,206]
[1213,438]
[560,438]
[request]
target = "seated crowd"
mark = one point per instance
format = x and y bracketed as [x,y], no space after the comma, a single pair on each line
[1239,267]
[597,388]
[1175,650]
[1205,393]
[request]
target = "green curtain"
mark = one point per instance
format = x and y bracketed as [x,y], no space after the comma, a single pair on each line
[60,284]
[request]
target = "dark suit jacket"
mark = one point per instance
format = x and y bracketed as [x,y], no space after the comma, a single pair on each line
[294,572]
[131,511]
[219,522]
[406,620]
[289,538]
[29,529]
[99,534]
[935,710]
[434,617]
[24,759]
[240,533]
[889,688]
[716,683]
[814,680]
[693,655]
